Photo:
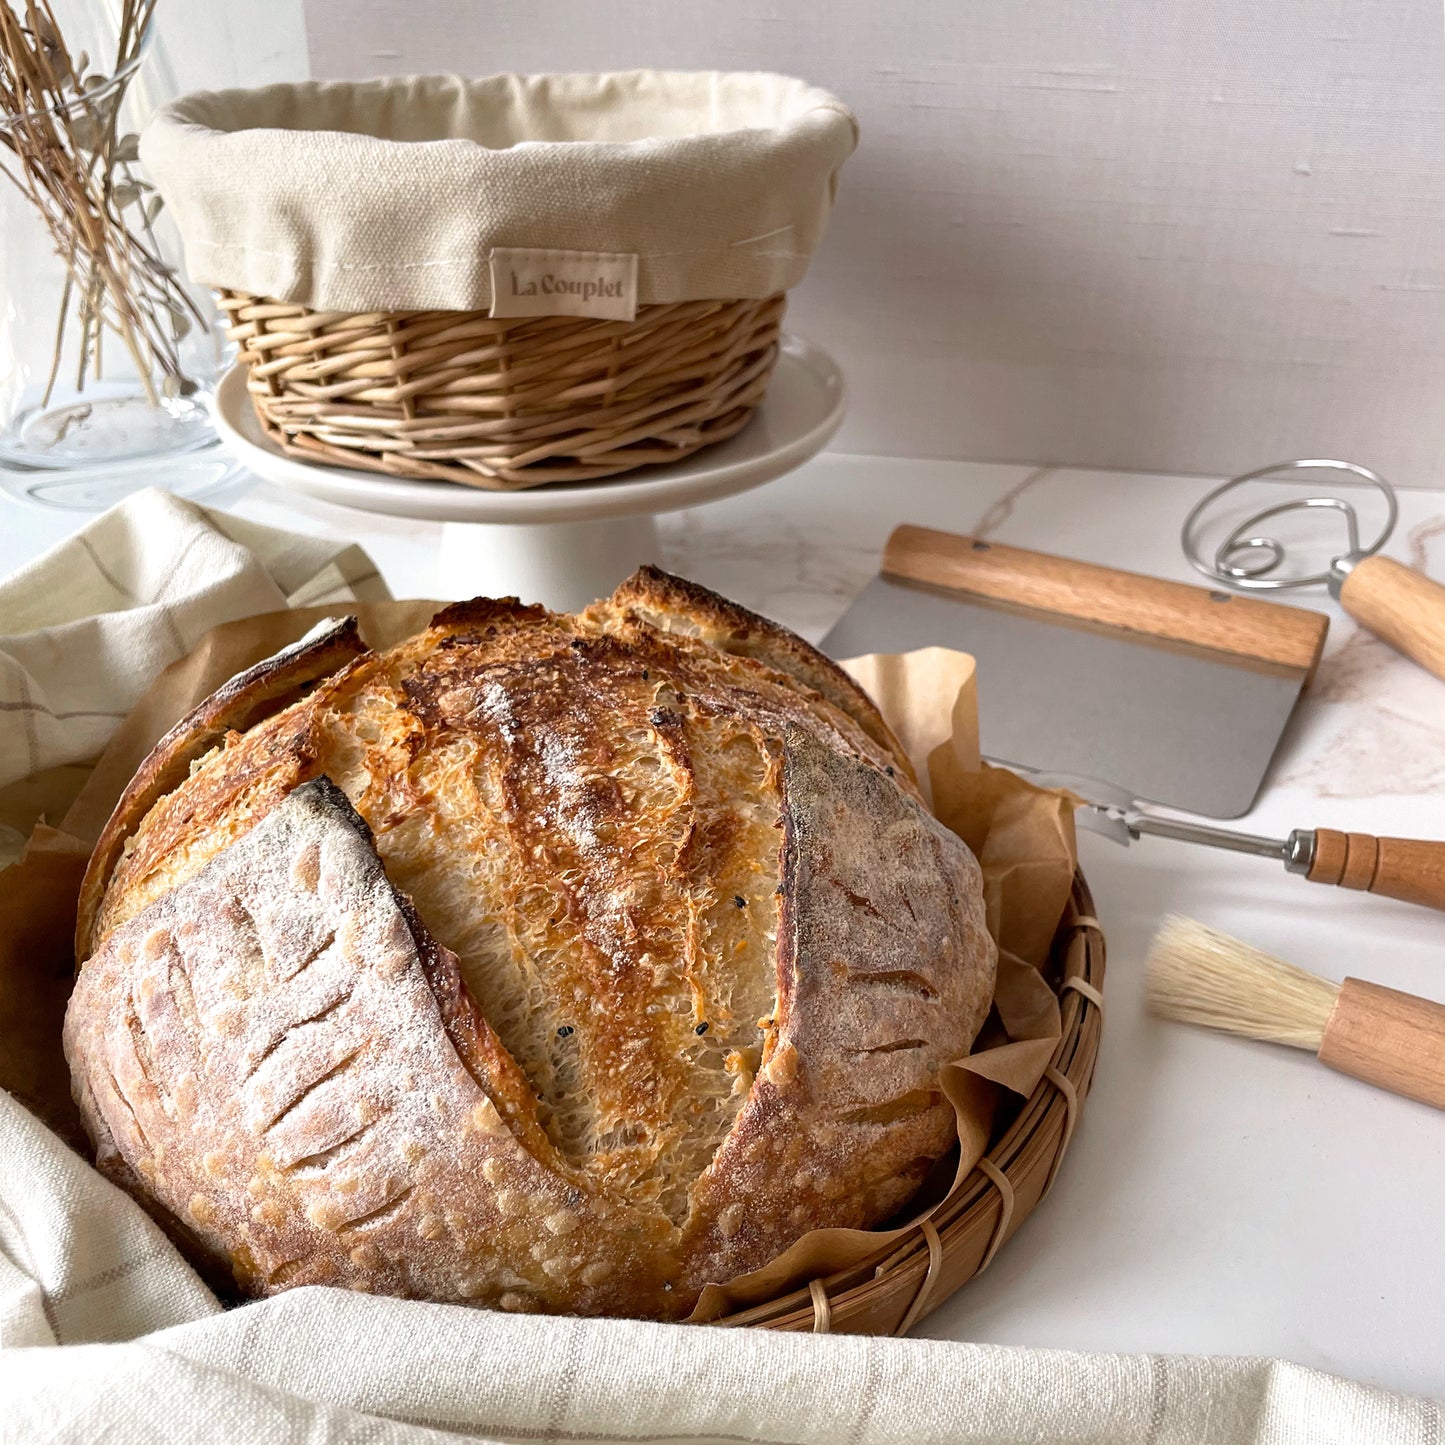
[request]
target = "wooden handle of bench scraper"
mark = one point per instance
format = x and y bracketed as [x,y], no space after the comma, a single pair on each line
[1105,596]
[1400,606]
[1410,869]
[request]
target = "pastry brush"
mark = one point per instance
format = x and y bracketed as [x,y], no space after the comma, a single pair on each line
[1393,1040]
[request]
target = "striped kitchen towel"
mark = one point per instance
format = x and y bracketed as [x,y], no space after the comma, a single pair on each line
[86,627]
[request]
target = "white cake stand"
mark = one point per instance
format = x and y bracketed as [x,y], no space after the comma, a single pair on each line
[565,544]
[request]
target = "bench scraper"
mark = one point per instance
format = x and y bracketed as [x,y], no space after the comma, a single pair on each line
[1176,694]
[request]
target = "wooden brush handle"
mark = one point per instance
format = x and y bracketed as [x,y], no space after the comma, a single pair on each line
[1390,1039]
[1220,621]
[1410,869]
[1400,606]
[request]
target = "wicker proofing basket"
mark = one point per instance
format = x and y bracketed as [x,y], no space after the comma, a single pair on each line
[504,404]
[889,1293]
[385,212]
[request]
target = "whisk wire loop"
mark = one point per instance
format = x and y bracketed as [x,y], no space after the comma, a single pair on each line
[1249,558]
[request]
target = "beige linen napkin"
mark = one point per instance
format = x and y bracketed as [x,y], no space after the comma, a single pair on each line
[105,1333]
[85,628]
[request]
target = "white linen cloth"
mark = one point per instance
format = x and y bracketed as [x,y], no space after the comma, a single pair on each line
[390,194]
[107,1334]
[86,627]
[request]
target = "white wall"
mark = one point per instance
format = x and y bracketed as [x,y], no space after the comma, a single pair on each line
[213,44]
[1148,233]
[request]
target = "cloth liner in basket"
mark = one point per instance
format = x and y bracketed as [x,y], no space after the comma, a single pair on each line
[505,281]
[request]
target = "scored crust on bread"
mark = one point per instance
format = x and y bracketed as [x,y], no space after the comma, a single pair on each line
[279,1054]
[235,705]
[651,957]
[676,605]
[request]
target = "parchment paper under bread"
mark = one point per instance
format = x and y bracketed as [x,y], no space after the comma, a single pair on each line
[1023,838]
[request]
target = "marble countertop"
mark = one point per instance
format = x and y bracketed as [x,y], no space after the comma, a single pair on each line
[1220,1196]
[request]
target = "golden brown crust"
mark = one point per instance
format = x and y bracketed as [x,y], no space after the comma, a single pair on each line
[478,613]
[884,963]
[674,604]
[238,704]
[265,1050]
[663,916]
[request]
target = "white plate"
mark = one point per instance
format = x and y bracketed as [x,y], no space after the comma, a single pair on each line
[804,405]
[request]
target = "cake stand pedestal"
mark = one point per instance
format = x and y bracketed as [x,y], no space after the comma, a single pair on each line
[564,565]
[566,544]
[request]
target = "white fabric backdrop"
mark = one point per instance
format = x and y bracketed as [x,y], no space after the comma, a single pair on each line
[1161,237]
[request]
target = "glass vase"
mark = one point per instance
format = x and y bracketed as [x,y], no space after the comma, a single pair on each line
[108,358]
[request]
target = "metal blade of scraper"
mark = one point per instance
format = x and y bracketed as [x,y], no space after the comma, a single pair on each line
[1169,721]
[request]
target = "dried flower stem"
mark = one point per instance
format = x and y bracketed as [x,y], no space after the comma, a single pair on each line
[60,146]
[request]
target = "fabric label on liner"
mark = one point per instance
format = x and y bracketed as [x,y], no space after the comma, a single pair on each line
[563,283]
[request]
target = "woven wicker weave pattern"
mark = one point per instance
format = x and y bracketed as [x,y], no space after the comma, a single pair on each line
[503,404]
[889,1293]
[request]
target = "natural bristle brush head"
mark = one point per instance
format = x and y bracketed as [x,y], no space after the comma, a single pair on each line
[1387,1038]
[1200,976]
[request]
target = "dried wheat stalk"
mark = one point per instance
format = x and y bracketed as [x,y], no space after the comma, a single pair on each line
[59,144]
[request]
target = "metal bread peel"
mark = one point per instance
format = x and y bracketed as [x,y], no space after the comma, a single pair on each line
[1176,694]
[1410,869]
[1398,604]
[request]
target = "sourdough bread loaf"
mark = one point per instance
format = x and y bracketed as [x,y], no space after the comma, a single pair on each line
[544,962]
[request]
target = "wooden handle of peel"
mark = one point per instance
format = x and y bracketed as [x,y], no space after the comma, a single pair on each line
[1390,1039]
[1410,869]
[1400,606]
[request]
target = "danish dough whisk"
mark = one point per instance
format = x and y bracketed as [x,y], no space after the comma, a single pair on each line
[1398,603]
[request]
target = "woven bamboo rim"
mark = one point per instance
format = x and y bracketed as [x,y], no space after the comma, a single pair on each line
[891,1291]
[459,396]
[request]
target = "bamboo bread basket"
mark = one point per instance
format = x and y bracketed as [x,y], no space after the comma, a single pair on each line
[510,281]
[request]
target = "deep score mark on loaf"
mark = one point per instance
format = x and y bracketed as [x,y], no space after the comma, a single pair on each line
[542,962]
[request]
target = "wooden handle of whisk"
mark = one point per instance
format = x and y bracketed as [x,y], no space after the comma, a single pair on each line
[1400,606]
[1393,1040]
[1410,869]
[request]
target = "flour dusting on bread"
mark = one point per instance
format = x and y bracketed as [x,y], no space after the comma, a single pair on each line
[546,962]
